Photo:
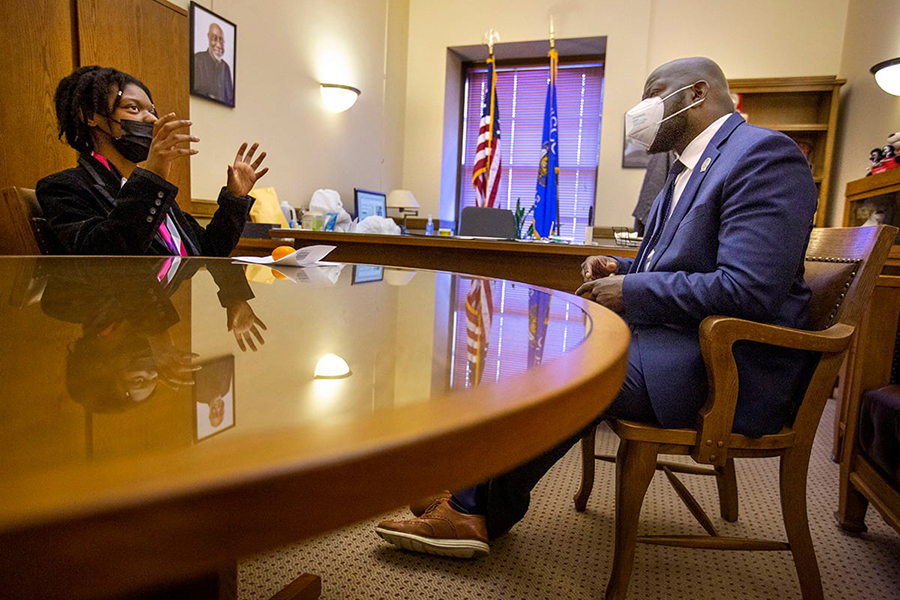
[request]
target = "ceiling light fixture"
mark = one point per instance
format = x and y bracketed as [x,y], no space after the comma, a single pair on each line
[887,75]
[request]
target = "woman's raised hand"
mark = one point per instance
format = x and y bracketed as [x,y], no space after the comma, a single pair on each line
[170,139]
[243,174]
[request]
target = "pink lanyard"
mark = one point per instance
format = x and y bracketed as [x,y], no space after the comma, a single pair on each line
[173,243]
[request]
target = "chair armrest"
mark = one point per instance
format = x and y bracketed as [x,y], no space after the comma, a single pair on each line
[717,337]
[728,330]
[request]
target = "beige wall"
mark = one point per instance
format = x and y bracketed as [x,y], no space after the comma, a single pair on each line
[285,49]
[763,38]
[868,115]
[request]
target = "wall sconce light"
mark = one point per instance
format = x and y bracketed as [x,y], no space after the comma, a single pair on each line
[887,75]
[332,366]
[337,97]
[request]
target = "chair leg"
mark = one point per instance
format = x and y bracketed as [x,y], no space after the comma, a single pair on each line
[635,466]
[726,481]
[852,507]
[588,449]
[794,466]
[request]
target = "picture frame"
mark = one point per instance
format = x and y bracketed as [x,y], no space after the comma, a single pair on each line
[213,57]
[634,156]
[214,398]
[367,274]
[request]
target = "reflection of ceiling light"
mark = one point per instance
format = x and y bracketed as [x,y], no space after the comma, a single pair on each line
[332,366]
[887,75]
[337,97]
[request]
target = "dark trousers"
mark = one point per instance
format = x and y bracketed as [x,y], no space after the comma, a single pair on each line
[504,499]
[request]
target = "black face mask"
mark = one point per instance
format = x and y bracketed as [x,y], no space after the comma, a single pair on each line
[134,144]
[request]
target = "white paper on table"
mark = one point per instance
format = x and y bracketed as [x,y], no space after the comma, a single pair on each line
[298,258]
[324,274]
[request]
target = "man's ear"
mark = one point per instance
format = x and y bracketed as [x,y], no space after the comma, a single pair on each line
[91,120]
[700,89]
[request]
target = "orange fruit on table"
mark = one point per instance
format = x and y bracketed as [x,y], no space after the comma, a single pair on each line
[281,251]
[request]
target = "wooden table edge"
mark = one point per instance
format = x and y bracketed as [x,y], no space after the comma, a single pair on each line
[179,524]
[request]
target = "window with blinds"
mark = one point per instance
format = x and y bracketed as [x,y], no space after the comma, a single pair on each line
[507,353]
[521,94]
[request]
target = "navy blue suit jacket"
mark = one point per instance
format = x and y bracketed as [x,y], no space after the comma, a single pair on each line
[734,245]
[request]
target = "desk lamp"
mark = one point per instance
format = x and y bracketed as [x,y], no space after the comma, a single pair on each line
[404,202]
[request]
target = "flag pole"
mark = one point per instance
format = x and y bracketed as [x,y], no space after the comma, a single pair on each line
[554,226]
[492,35]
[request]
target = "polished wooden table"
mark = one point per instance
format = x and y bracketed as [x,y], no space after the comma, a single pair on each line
[556,266]
[124,469]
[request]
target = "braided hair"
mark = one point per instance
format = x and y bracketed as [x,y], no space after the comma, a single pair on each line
[84,93]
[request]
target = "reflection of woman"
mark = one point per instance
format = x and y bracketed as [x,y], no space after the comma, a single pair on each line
[126,350]
[118,200]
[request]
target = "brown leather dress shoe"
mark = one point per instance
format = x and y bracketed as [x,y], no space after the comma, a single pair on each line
[440,530]
[419,507]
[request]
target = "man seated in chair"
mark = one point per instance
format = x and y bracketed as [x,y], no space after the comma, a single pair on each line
[727,235]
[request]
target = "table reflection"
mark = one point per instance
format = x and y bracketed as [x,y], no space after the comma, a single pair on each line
[115,357]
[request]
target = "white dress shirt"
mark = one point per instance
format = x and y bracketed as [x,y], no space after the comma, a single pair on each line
[691,156]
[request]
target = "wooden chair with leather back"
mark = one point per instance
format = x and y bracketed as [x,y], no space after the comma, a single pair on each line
[23,229]
[842,265]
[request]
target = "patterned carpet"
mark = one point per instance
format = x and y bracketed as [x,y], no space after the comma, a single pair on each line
[558,553]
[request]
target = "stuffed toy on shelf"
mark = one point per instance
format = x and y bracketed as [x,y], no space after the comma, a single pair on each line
[885,158]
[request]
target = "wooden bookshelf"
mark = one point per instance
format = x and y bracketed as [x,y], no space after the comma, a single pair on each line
[803,108]
[869,194]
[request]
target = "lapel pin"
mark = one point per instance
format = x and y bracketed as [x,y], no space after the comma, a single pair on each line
[705,164]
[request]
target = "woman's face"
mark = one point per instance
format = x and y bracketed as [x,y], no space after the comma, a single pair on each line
[134,105]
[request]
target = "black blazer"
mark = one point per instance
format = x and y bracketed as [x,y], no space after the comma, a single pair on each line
[92,213]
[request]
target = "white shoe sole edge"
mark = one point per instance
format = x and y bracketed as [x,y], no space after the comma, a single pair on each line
[438,547]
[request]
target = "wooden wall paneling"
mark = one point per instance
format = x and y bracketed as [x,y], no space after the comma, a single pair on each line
[148,39]
[37,51]
[16,236]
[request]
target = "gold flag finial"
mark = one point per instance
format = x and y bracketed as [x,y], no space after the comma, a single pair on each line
[552,35]
[490,38]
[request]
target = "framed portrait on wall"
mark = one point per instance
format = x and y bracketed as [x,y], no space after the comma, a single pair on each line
[634,156]
[214,404]
[213,55]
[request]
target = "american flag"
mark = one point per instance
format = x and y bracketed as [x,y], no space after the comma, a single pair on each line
[486,176]
[479,314]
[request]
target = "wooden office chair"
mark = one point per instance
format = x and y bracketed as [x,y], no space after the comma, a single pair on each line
[841,268]
[23,229]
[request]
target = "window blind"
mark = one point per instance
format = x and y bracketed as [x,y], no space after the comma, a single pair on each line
[521,95]
[507,354]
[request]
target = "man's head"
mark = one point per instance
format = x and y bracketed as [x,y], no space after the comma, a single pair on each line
[216,38]
[687,81]
[216,411]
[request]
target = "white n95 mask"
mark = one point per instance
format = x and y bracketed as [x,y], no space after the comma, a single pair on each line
[642,122]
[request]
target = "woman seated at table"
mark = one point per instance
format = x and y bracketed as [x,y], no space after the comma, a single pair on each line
[118,200]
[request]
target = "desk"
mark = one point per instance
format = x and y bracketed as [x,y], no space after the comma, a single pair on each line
[145,479]
[556,266]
